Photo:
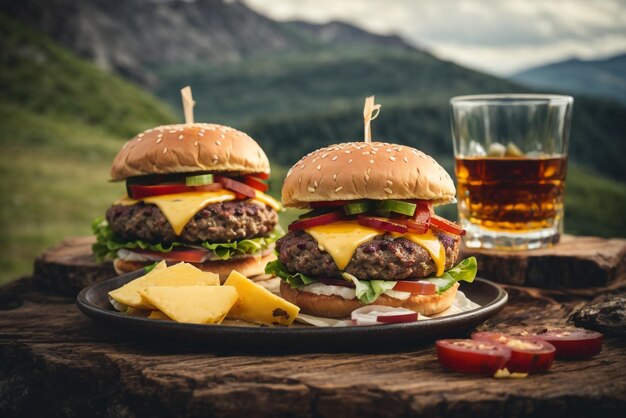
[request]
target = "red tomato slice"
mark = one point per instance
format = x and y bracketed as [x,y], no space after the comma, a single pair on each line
[445,225]
[471,356]
[528,354]
[235,186]
[139,191]
[382,224]
[421,287]
[573,343]
[262,176]
[188,255]
[329,204]
[256,183]
[317,220]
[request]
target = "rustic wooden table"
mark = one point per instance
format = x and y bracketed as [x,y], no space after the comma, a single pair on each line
[56,362]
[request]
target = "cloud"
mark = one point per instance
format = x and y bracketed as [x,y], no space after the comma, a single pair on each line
[499,36]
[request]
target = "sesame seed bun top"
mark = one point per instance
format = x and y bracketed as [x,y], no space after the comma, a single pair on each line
[360,170]
[188,148]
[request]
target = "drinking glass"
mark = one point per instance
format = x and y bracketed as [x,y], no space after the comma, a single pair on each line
[511,159]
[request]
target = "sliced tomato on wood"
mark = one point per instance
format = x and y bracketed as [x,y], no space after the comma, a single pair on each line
[236,186]
[420,287]
[472,356]
[317,220]
[573,343]
[445,225]
[139,192]
[256,183]
[528,354]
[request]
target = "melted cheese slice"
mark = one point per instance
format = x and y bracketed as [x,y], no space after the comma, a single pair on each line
[179,208]
[341,239]
[430,243]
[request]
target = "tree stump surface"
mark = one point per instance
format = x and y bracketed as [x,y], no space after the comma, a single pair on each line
[576,262]
[56,362]
[70,266]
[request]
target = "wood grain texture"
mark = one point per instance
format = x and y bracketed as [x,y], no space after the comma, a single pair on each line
[70,266]
[54,359]
[576,262]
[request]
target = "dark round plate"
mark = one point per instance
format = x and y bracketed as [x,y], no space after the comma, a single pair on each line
[94,303]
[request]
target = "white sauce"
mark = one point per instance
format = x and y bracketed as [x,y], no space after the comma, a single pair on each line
[348,293]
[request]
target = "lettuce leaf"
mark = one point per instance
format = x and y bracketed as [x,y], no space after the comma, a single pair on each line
[106,245]
[367,291]
[296,281]
[465,270]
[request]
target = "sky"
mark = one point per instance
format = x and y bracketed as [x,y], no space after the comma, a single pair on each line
[495,36]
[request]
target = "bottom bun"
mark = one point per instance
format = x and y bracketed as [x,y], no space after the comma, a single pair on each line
[337,307]
[249,267]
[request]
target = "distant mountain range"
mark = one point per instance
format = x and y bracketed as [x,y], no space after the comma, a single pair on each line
[605,77]
[133,37]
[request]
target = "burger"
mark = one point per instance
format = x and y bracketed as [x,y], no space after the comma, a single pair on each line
[195,193]
[370,235]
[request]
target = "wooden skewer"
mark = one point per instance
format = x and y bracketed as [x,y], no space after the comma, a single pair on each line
[370,112]
[188,104]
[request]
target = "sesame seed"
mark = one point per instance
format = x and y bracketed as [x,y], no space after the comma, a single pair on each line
[388,190]
[334,158]
[289,172]
[180,137]
[366,153]
[160,136]
[392,158]
[139,139]
[311,189]
[315,183]
[406,160]
[218,143]
[389,183]
[367,178]
[196,143]
[350,161]
[215,157]
[371,161]
[222,136]
[338,188]
[388,150]
[348,151]
[324,156]
[140,135]
[319,167]
[164,150]
[369,170]
[414,152]
[173,132]
[200,134]
[334,176]
[159,140]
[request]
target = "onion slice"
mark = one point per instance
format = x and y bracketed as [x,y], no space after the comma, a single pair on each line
[379,314]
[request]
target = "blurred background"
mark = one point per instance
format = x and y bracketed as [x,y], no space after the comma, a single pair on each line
[80,77]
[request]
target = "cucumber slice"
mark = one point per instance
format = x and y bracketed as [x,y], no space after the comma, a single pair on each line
[357,207]
[199,180]
[398,206]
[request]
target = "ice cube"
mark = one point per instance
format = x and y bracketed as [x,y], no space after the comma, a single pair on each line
[475,149]
[496,150]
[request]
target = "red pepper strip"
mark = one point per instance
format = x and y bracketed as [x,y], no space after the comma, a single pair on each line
[256,183]
[445,225]
[236,186]
[317,220]
[262,176]
[381,223]
[139,191]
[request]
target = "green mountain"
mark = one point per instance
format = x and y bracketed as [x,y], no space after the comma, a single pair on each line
[63,120]
[603,78]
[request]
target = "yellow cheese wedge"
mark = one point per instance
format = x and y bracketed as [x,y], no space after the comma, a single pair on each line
[430,243]
[341,239]
[179,208]
[192,304]
[181,274]
[268,200]
[257,304]
[159,315]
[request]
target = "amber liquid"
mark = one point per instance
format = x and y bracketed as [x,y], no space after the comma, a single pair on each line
[511,194]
